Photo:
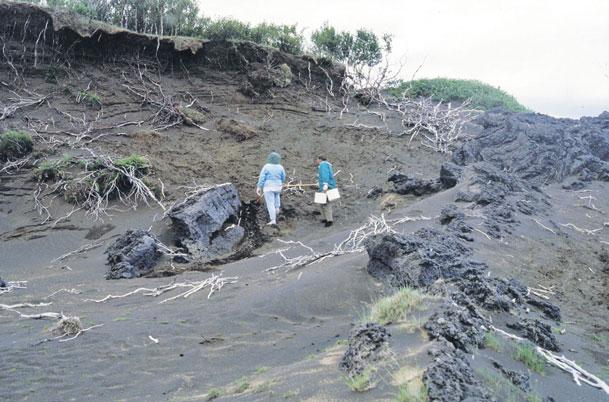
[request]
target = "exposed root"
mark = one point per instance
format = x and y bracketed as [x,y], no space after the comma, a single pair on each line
[214,283]
[354,243]
[12,285]
[589,232]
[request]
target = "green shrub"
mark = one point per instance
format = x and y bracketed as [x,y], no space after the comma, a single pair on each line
[15,144]
[52,169]
[491,342]
[394,307]
[527,354]
[482,96]
[242,385]
[214,393]
[89,98]
[137,162]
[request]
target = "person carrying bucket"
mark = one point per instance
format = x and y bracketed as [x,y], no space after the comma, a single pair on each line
[327,184]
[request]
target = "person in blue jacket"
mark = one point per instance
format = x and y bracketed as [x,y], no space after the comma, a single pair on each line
[270,182]
[326,182]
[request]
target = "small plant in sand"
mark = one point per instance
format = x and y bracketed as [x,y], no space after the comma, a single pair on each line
[413,392]
[90,99]
[241,386]
[214,393]
[527,354]
[361,382]
[15,144]
[52,169]
[393,308]
[492,342]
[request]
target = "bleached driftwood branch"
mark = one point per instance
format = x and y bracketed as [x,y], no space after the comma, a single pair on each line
[579,374]
[213,283]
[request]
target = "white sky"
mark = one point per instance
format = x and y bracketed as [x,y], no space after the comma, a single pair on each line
[553,55]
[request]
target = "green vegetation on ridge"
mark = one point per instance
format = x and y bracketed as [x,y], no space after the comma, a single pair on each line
[481,95]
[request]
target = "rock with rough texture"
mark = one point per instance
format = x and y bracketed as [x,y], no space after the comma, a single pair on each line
[540,149]
[418,259]
[450,378]
[2,283]
[205,225]
[261,79]
[450,174]
[366,345]
[404,184]
[521,380]
[459,324]
[132,255]
[550,310]
[537,332]
[455,220]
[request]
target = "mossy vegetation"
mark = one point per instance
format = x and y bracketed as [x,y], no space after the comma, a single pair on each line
[394,308]
[214,393]
[15,144]
[482,96]
[527,354]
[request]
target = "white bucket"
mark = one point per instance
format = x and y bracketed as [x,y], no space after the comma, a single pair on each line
[333,194]
[321,198]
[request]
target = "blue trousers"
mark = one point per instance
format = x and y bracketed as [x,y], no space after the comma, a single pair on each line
[273,203]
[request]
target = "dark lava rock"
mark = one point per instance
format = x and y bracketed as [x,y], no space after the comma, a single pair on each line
[450,174]
[404,184]
[450,378]
[455,219]
[366,344]
[132,255]
[537,332]
[2,283]
[205,225]
[418,259]
[540,149]
[550,310]
[460,324]
[521,380]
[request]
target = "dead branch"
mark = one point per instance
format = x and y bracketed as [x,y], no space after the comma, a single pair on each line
[12,285]
[213,283]
[579,374]
[352,244]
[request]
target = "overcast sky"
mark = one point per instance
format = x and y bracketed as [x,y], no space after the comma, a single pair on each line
[553,55]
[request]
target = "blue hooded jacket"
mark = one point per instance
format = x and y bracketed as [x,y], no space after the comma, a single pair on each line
[272,174]
[326,175]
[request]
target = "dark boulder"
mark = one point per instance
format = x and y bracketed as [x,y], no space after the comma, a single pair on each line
[460,324]
[521,380]
[206,224]
[450,174]
[132,255]
[418,259]
[404,184]
[550,310]
[2,283]
[450,377]
[367,344]
[537,332]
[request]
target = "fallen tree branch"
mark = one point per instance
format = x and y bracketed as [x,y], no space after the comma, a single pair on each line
[579,374]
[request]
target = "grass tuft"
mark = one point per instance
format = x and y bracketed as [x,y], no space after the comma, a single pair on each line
[527,354]
[15,144]
[242,386]
[393,308]
[361,382]
[492,342]
[214,393]
[482,96]
[89,98]
[412,393]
